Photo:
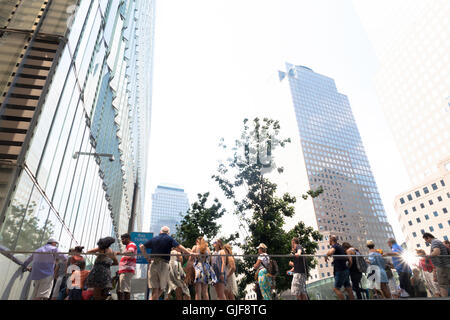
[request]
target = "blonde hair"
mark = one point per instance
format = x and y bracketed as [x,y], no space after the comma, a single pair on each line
[228,250]
[220,243]
[202,245]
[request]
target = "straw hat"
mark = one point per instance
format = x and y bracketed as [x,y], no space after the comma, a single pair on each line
[261,245]
[370,243]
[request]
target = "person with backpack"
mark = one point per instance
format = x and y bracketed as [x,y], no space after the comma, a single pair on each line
[442,264]
[340,269]
[357,266]
[378,263]
[263,277]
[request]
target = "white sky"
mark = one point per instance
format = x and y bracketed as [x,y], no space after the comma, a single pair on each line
[216,62]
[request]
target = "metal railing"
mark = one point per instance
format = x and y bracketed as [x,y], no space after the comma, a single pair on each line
[319,288]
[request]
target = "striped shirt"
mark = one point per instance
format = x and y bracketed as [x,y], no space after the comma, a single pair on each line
[440,262]
[128,263]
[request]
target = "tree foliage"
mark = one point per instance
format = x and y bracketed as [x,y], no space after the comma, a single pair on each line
[262,213]
[21,230]
[200,220]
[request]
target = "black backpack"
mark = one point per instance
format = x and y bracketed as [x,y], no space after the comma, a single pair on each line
[361,264]
[272,268]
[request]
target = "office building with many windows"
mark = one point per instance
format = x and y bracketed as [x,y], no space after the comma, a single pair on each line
[334,159]
[412,84]
[425,208]
[75,81]
[169,205]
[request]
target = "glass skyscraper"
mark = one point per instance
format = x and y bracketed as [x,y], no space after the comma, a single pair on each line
[169,205]
[75,77]
[334,158]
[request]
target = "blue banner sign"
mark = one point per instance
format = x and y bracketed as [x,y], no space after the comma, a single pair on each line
[140,238]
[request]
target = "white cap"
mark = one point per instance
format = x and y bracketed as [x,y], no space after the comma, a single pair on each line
[52,240]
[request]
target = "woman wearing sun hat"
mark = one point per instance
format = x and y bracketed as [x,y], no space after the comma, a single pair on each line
[261,266]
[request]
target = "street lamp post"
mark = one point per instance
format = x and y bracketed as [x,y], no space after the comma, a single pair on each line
[108,155]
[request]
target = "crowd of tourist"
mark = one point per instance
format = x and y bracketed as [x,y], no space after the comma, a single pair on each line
[190,272]
[428,276]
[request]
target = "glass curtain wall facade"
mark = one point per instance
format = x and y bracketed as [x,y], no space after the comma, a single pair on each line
[350,206]
[169,205]
[70,81]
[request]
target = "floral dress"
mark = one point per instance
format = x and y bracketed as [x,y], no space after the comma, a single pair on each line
[204,273]
[217,267]
[264,280]
[100,275]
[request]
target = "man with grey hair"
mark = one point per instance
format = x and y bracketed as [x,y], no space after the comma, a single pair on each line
[43,268]
[159,266]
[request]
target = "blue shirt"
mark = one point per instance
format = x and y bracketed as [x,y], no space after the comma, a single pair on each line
[399,264]
[162,244]
[376,259]
[44,264]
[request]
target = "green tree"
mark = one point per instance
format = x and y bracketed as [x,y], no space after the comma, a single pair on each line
[21,230]
[309,240]
[200,220]
[262,213]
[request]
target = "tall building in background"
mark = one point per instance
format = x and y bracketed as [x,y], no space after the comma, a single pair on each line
[334,158]
[169,205]
[413,87]
[425,208]
[75,81]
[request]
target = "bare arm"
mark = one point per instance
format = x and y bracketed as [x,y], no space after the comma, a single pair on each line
[144,252]
[129,252]
[95,250]
[112,255]
[435,252]
[224,260]
[27,262]
[350,260]
[256,265]
[194,250]
[232,265]
[182,249]
[391,254]
[331,252]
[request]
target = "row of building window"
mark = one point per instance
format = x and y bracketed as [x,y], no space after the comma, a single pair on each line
[427,244]
[440,226]
[422,206]
[434,186]
[427,217]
